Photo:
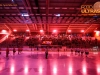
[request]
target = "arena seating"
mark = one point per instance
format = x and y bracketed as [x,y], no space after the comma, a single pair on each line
[70,42]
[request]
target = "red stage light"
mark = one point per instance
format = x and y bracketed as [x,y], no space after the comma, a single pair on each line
[82,30]
[54,31]
[41,31]
[27,30]
[69,30]
[15,30]
[4,31]
[97,33]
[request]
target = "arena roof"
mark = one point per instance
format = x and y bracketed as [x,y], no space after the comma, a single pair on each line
[48,15]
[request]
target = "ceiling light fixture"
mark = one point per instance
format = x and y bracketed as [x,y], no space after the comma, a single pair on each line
[15,30]
[27,30]
[54,31]
[82,30]
[69,30]
[24,14]
[57,14]
[3,31]
[41,31]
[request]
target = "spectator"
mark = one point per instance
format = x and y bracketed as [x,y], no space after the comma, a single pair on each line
[46,54]
[0,51]
[7,52]
[14,51]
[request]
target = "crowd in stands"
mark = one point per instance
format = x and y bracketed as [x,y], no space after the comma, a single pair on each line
[68,41]
[76,44]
